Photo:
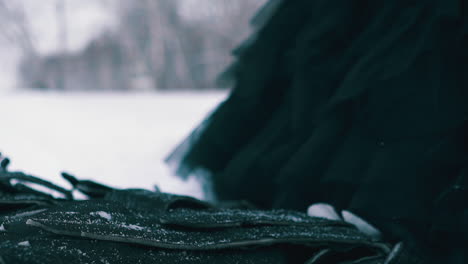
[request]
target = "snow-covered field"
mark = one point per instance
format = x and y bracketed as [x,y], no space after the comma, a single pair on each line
[117,139]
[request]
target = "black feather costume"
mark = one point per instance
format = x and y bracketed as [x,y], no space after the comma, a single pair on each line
[361,104]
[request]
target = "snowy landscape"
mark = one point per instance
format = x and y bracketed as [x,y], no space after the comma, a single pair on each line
[104,90]
[117,139]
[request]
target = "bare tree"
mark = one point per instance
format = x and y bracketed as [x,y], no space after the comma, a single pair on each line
[181,53]
[155,45]
[62,39]
[151,32]
[15,27]
[15,30]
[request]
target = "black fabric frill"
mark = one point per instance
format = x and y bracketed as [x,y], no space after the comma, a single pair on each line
[361,104]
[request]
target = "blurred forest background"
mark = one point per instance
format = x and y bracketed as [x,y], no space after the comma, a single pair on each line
[119,45]
[105,89]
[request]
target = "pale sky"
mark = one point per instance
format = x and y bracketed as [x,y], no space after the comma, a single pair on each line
[85,20]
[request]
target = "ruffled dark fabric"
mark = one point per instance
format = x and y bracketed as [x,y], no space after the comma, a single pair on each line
[143,226]
[361,104]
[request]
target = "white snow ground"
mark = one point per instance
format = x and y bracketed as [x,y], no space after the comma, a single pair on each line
[117,139]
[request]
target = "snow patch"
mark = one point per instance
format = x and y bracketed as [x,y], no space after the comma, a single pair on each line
[103,214]
[361,224]
[24,244]
[323,210]
[2,228]
[115,139]
[132,227]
